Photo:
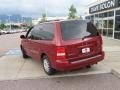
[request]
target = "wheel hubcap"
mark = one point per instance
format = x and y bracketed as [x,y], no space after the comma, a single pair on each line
[46,65]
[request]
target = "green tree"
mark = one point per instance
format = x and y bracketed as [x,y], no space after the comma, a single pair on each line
[72,12]
[44,18]
[15,26]
[2,26]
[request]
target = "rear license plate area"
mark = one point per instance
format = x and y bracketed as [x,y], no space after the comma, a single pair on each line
[86,50]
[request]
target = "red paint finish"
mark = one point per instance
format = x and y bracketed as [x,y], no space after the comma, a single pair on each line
[65,54]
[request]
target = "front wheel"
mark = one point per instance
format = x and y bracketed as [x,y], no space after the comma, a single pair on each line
[24,53]
[47,66]
[89,66]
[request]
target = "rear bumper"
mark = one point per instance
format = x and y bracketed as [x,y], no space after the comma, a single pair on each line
[66,65]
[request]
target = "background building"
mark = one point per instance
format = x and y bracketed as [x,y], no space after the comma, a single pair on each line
[15,18]
[105,14]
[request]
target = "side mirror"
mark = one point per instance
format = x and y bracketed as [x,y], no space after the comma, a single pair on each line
[22,37]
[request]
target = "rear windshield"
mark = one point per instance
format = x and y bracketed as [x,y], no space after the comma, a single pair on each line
[77,29]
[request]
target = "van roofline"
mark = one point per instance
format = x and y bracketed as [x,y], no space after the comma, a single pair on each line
[52,21]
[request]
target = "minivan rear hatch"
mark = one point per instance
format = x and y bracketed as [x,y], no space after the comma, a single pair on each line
[80,39]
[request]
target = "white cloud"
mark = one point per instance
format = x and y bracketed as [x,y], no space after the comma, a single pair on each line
[36,7]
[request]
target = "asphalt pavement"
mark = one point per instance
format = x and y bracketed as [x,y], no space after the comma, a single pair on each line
[91,82]
[83,82]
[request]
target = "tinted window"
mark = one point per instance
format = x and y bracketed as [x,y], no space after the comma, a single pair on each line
[47,31]
[117,23]
[111,13]
[117,35]
[43,32]
[29,33]
[105,14]
[35,33]
[88,17]
[118,12]
[77,29]
[101,15]
[96,15]
[92,17]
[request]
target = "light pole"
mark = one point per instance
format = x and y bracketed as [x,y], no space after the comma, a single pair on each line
[10,22]
[45,7]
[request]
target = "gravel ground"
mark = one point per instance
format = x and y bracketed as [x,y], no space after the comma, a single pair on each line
[91,82]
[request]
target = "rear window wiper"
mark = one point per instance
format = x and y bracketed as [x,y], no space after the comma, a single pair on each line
[85,37]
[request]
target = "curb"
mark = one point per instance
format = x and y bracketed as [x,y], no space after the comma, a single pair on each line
[115,72]
[59,76]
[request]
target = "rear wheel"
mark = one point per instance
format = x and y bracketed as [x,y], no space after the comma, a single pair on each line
[24,53]
[47,66]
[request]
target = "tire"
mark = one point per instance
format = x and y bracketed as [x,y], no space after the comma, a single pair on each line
[89,66]
[25,56]
[47,66]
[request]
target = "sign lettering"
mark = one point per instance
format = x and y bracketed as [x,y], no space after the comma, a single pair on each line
[104,6]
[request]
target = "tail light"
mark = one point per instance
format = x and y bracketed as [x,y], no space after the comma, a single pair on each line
[61,53]
[101,41]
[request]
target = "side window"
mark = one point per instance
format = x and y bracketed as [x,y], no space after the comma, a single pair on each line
[47,31]
[32,33]
[36,33]
[42,32]
[29,34]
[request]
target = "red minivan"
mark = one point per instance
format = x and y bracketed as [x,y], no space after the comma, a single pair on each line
[63,45]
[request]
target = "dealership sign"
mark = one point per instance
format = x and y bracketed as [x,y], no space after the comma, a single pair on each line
[104,6]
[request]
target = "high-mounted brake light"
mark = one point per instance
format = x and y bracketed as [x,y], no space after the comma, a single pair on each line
[61,53]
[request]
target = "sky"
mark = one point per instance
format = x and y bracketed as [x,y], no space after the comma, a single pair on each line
[35,8]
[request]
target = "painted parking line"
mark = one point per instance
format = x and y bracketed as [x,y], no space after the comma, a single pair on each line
[15,51]
[17,68]
[2,52]
[28,69]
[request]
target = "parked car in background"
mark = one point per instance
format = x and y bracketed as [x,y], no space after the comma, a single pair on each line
[12,31]
[0,33]
[3,32]
[63,45]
